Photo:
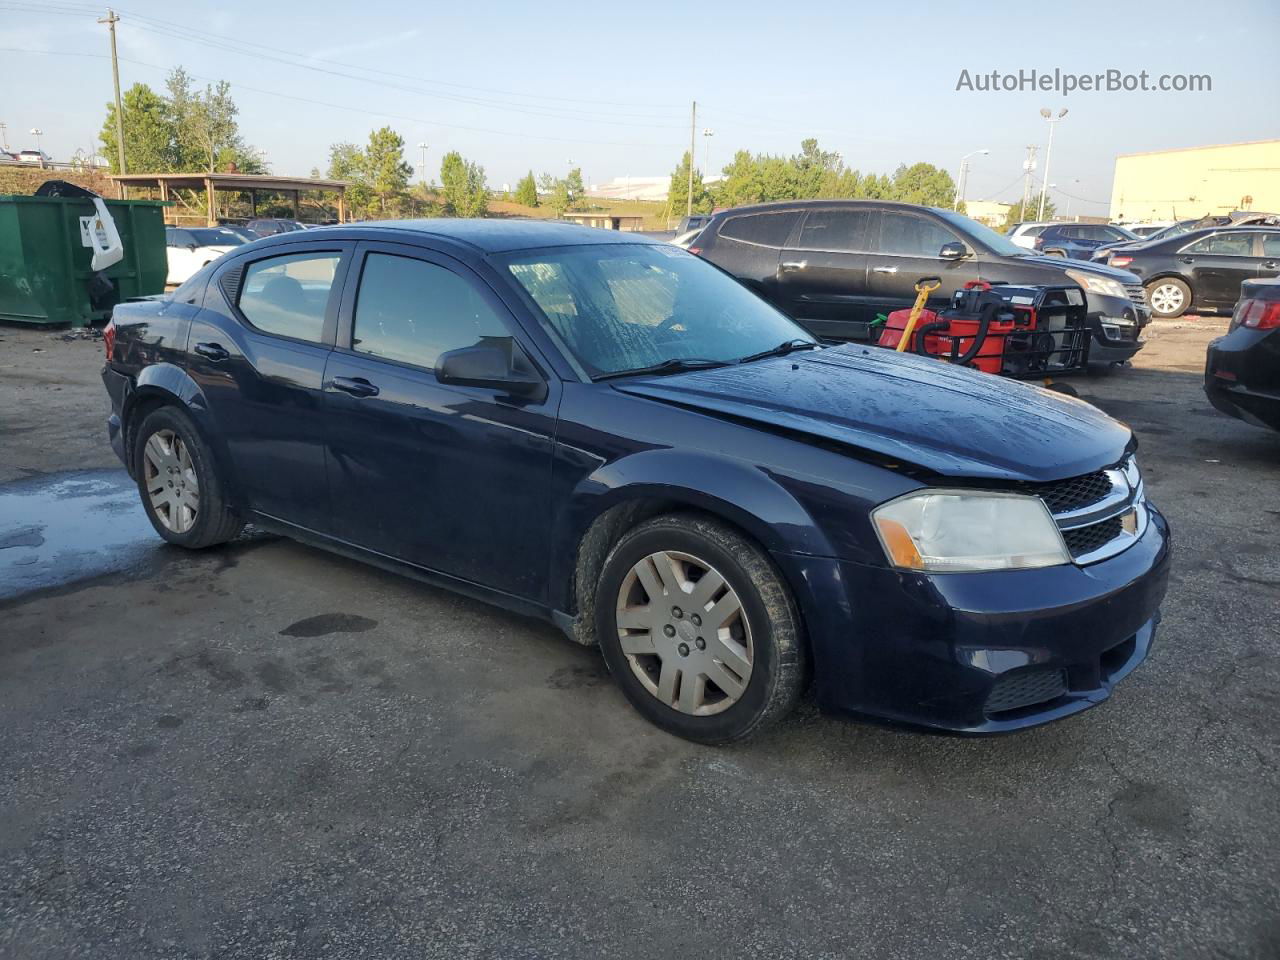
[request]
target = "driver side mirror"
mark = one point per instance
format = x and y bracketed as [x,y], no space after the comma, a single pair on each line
[953,251]
[491,366]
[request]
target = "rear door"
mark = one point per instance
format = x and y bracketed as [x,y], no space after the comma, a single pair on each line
[258,352]
[905,252]
[822,274]
[1216,265]
[452,478]
[1270,255]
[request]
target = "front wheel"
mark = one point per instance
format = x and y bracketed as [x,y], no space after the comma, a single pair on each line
[699,629]
[181,492]
[1168,297]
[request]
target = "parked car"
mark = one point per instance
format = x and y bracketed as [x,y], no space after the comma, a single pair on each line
[241,231]
[187,249]
[605,431]
[270,226]
[1242,369]
[1144,230]
[1238,218]
[34,156]
[685,240]
[695,222]
[834,265]
[1024,234]
[1201,270]
[1078,241]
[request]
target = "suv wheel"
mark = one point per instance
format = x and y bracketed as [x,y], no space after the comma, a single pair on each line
[1168,297]
[699,629]
[181,492]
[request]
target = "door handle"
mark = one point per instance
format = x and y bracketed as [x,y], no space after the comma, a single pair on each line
[1187,259]
[884,269]
[356,386]
[211,351]
[795,264]
[1269,264]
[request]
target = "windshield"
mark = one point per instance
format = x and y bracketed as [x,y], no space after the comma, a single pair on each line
[1177,230]
[619,307]
[216,237]
[993,241]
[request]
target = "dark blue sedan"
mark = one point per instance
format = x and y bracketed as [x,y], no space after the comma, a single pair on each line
[612,434]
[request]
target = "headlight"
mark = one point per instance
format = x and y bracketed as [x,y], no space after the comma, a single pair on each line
[1101,285]
[953,531]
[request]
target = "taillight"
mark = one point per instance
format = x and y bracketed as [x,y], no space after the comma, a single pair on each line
[696,251]
[1120,261]
[109,338]
[1259,314]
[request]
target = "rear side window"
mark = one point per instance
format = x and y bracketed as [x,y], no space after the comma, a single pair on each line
[287,296]
[911,236]
[1225,245]
[1271,244]
[842,230]
[1033,231]
[765,229]
[413,311]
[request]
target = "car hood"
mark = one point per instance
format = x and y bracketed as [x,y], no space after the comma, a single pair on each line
[1086,266]
[918,411]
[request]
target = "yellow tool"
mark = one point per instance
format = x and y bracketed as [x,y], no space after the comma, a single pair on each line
[924,287]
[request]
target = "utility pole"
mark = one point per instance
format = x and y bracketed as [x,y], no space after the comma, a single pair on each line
[4,135]
[693,141]
[422,167]
[1048,153]
[1028,167]
[111,20]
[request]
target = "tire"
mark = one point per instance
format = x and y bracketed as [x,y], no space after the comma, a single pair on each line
[760,643]
[1173,296]
[178,483]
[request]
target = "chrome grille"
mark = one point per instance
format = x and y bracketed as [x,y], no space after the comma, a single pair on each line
[1137,293]
[1074,493]
[1100,513]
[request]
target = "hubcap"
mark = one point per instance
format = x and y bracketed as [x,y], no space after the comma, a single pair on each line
[684,633]
[170,479]
[1166,298]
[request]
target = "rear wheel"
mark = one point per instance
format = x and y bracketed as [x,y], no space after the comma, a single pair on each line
[1169,297]
[181,493]
[699,629]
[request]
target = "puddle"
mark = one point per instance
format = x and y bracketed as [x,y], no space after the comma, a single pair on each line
[68,526]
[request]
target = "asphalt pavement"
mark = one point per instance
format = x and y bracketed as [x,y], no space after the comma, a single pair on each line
[264,750]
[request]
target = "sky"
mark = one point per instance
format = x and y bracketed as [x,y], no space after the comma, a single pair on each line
[608,87]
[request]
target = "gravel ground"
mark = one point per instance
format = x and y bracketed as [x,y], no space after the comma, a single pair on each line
[267,751]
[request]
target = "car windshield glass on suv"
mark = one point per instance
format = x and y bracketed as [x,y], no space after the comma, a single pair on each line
[972,229]
[620,307]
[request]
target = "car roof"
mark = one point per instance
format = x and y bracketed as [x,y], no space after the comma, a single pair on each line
[493,236]
[789,205]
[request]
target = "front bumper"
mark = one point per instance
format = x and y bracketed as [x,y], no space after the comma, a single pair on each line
[1116,328]
[983,652]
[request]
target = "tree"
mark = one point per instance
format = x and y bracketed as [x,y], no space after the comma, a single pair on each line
[678,192]
[925,184]
[527,191]
[347,162]
[147,131]
[386,172]
[577,189]
[463,183]
[1017,215]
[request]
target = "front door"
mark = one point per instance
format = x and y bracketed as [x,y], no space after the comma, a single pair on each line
[1270,255]
[258,351]
[822,275]
[451,478]
[1217,265]
[905,252]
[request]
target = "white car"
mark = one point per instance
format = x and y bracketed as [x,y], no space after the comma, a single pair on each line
[190,248]
[1024,234]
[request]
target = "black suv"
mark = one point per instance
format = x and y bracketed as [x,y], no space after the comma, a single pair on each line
[1078,241]
[834,265]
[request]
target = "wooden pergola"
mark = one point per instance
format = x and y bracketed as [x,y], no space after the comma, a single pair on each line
[169,185]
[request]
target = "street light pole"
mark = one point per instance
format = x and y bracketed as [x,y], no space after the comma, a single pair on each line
[693,129]
[1048,153]
[422,168]
[707,134]
[963,176]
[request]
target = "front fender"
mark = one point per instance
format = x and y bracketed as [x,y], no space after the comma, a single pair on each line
[739,492]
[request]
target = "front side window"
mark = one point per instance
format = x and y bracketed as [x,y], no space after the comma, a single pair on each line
[1224,245]
[841,230]
[910,236]
[413,311]
[619,307]
[288,296]
[1271,244]
[765,229]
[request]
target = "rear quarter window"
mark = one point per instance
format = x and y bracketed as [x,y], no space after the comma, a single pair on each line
[763,229]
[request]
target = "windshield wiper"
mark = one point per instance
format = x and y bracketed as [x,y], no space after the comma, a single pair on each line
[673,365]
[782,349]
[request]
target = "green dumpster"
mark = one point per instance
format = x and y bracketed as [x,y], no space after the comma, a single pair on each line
[45,277]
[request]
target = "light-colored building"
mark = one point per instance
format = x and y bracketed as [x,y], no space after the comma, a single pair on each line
[627,223]
[990,212]
[1195,181]
[639,188]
